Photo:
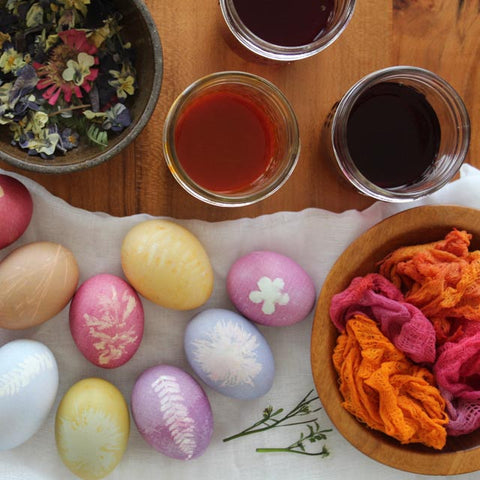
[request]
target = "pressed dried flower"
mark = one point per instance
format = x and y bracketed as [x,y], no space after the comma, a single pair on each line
[11,61]
[80,5]
[51,74]
[4,37]
[123,81]
[34,16]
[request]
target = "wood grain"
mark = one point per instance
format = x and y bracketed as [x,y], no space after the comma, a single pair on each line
[442,35]
[414,226]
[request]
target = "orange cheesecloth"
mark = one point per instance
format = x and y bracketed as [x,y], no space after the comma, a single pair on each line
[442,279]
[385,390]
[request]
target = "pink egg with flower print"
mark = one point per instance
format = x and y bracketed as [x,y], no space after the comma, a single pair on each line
[270,288]
[172,412]
[106,320]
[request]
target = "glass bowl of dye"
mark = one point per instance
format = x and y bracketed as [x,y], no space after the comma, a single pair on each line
[139,29]
[231,139]
[461,454]
[399,134]
[284,30]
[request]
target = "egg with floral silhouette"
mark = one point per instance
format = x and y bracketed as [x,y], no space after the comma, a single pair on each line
[229,354]
[106,320]
[16,208]
[92,426]
[172,412]
[28,387]
[270,288]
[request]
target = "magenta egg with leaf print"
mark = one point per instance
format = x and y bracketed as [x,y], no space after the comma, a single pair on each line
[106,320]
[270,288]
[172,412]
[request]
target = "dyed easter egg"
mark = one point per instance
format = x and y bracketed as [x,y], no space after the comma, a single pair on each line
[37,281]
[106,320]
[172,412]
[91,428]
[16,208]
[28,387]
[270,288]
[229,354]
[167,264]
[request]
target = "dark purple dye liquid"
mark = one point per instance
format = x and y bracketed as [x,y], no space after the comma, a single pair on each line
[393,135]
[286,22]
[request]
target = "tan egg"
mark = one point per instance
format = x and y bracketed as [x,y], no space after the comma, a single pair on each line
[167,264]
[92,426]
[37,281]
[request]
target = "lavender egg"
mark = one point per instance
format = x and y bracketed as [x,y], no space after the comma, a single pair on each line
[270,289]
[106,320]
[229,354]
[172,412]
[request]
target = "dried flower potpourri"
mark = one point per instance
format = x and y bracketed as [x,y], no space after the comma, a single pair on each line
[65,73]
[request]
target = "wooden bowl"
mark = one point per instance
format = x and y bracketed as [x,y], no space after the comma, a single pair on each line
[139,29]
[414,226]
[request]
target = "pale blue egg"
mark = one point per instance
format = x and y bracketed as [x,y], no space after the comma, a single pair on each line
[229,354]
[28,387]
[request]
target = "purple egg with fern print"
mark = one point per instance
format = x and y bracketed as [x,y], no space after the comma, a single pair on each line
[270,288]
[106,320]
[229,354]
[172,412]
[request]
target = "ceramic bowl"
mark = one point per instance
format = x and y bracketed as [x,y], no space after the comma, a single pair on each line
[418,225]
[138,28]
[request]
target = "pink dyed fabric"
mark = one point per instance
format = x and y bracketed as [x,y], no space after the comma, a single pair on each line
[402,323]
[457,371]
[464,416]
[457,368]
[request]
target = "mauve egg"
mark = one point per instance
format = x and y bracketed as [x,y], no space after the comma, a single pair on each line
[106,320]
[16,209]
[167,264]
[229,354]
[28,387]
[92,426]
[37,281]
[172,412]
[270,288]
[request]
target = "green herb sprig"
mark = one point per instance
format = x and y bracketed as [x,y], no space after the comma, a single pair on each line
[314,435]
[273,418]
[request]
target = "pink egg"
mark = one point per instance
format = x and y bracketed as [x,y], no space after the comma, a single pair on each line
[270,288]
[16,208]
[172,412]
[106,320]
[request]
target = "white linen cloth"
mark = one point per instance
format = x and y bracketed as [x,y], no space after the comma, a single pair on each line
[314,238]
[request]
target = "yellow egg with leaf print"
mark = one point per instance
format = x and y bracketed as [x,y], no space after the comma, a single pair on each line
[91,428]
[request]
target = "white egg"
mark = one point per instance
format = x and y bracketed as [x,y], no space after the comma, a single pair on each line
[28,387]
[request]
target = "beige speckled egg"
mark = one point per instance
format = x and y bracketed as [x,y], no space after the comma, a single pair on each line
[37,281]
[167,264]
[92,426]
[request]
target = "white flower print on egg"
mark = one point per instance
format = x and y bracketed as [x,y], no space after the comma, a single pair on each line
[270,293]
[228,354]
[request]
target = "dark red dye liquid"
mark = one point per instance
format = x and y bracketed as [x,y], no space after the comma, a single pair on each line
[286,22]
[393,135]
[224,141]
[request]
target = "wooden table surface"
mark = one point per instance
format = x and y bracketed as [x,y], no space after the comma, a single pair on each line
[440,35]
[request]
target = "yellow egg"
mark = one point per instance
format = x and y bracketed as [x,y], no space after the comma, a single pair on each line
[37,281]
[167,264]
[91,428]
